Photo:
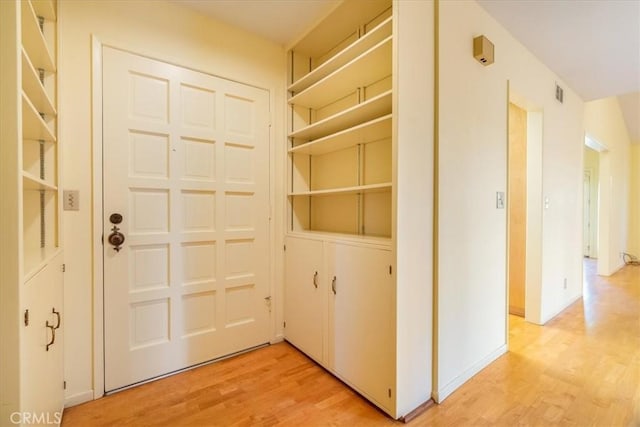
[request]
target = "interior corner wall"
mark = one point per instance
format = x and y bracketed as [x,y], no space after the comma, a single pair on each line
[634,200]
[472,144]
[605,123]
[592,163]
[164,31]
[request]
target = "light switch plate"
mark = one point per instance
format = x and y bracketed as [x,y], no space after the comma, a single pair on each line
[71,200]
[499,199]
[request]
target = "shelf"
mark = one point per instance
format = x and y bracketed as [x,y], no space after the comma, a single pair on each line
[339,24]
[366,42]
[366,69]
[370,131]
[33,88]
[44,8]
[31,182]
[373,108]
[373,188]
[33,126]
[36,259]
[363,239]
[33,41]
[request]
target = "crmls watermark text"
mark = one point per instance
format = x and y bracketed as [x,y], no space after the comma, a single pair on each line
[53,418]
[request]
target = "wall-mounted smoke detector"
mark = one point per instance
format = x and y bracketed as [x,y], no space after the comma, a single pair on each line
[559,93]
[483,50]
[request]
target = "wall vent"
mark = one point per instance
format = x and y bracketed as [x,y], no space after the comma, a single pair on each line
[559,94]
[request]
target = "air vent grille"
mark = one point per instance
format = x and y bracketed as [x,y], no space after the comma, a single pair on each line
[559,94]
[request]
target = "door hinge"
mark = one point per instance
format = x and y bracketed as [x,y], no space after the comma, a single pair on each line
[390,270]
[64,385]
[389,392]
[64,268]
[285,247]
[26,317]
[284,324]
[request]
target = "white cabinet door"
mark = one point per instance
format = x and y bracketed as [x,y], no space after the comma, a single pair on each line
[42,368]
[361,325]
[305,296]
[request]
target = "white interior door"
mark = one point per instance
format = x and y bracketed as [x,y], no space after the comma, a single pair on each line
[186,165]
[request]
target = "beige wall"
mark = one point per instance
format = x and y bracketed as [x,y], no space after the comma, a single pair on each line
[471,289]
[604,123]
[163,31]
[633,245]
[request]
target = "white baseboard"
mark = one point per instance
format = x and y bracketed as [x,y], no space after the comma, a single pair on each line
[454,384]
[78,398]
[571,301]
[278,338]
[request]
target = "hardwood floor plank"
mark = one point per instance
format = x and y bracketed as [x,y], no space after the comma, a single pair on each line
[581,369]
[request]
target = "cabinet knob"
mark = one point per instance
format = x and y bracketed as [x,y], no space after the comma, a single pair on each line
[333,285]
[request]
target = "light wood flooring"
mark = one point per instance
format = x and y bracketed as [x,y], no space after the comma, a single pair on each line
[582,368]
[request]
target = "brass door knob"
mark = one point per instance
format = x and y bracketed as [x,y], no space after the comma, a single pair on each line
[116,238]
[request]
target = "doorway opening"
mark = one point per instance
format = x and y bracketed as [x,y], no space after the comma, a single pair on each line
[517,208]
[524,211]
[597,161]
[590,199]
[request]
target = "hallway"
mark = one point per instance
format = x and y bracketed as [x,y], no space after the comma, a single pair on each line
[582,368]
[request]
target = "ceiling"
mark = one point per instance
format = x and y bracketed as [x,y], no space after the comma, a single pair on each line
[593,45]
[281,21]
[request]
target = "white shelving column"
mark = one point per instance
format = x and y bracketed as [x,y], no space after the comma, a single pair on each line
[338,260]
[31,266]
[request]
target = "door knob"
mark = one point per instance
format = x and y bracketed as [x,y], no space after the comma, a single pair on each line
[115,218]
[116,238]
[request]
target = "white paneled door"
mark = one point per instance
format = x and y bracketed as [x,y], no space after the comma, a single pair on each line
[186,167]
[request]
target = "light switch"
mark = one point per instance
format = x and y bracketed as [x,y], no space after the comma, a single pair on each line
[500,200]
[71,200]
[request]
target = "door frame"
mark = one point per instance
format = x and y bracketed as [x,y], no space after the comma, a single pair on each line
[97,214]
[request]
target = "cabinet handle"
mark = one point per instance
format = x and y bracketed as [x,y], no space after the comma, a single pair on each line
[53,334]
[315,279]
[57,313]
[333,285]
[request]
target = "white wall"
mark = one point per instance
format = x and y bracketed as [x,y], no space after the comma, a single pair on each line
[592,163]
[163,31]
[413,219]
[605,123]
[472,141]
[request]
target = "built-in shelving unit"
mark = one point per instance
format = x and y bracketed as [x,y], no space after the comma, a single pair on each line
[339,197]
[39,142]
[32,288]
[340,99]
